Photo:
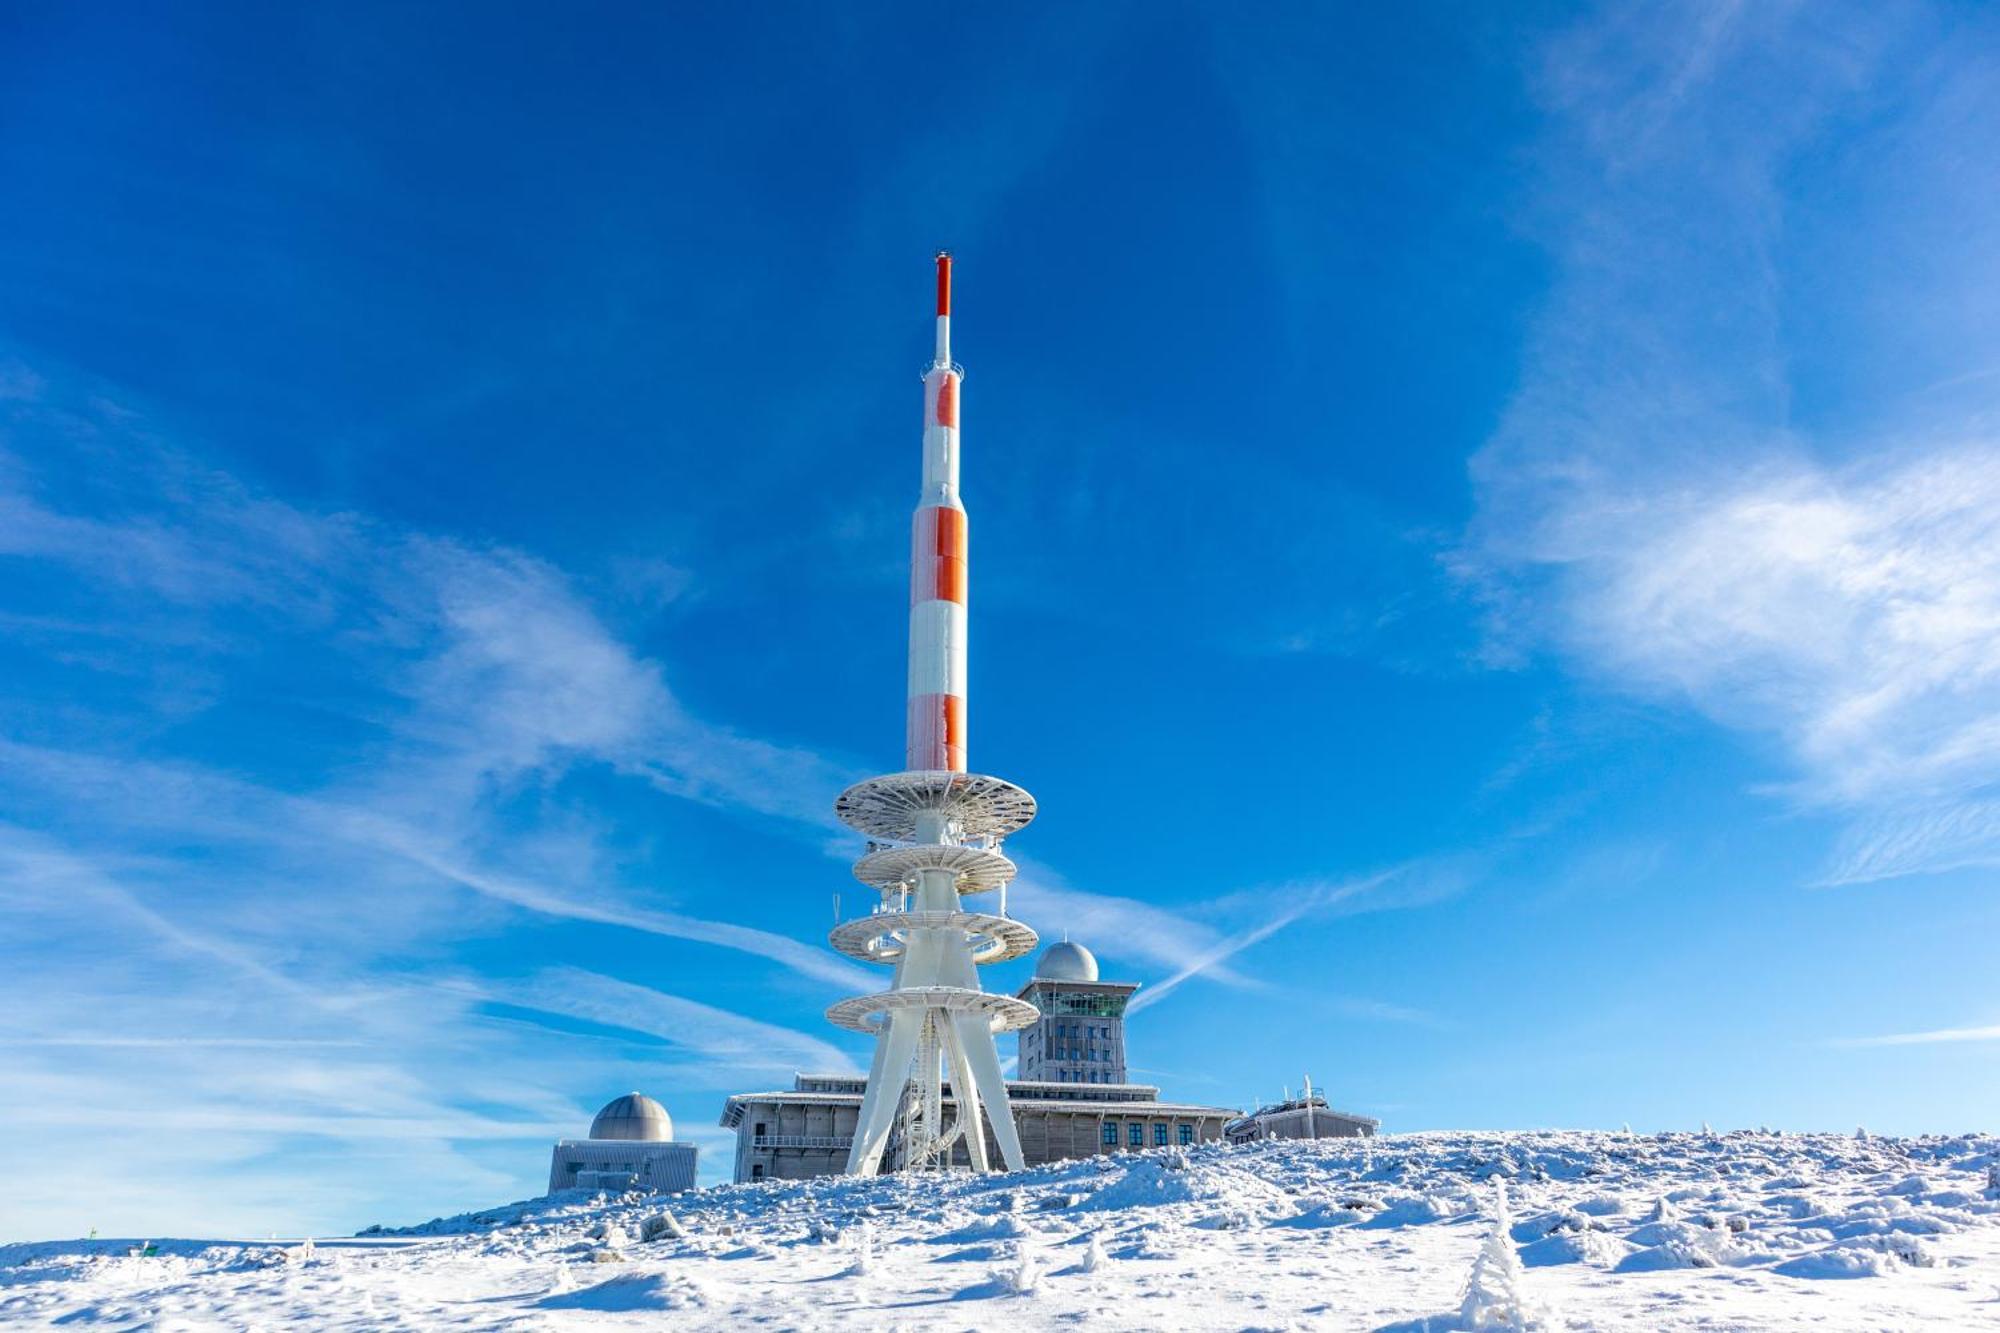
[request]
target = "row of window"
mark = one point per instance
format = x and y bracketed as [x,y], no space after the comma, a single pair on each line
[1065,1002]
[1135,1134]
[1081,1029]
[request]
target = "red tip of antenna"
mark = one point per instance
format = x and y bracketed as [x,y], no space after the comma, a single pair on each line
[944,282]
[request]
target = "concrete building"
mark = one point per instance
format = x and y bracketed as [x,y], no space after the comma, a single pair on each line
[808,1129]
[1059,1110]
[630,1147]
[1080,1034]
[1306,1117]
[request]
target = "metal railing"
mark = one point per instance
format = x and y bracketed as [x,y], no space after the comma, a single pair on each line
[802,1141]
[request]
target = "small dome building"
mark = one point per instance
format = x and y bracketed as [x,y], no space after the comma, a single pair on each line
[631,1147]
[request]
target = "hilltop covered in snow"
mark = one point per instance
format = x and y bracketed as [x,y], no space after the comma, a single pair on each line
[1412,1232]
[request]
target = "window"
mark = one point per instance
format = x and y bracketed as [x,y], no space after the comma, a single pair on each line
[1187,1135]
[756,1170]
[759,1131]
[1159,1136]
[1136,1135]
[1111,1133]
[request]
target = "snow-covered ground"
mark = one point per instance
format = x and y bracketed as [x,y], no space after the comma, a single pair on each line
[1411,1232]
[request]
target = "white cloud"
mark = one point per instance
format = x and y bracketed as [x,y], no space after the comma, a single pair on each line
[239,942]
[1130,929]
[1940,1036]
[1283,905]
[1852,613]
[729,1044]
[1651,507]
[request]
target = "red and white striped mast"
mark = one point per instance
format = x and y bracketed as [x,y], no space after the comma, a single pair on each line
[942,828]
[936,720]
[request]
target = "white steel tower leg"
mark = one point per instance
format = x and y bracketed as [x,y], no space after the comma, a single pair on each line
[887,1074]
[984,1058]
[965,1094]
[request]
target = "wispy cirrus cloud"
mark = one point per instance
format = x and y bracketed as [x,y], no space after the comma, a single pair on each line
[1936,1037]
[288,900]
[1704,494]
[729,1043]
[1284,905]
[1144,932]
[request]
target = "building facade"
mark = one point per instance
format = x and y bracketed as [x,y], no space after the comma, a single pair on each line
[631,1147]
[1080,1036]
[806,1130]
[1307,1117]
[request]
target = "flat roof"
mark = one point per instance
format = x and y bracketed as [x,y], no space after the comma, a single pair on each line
[1059,983]
[738,1103]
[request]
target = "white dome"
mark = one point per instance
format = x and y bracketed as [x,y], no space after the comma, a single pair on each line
[1066,961]
[633,1116]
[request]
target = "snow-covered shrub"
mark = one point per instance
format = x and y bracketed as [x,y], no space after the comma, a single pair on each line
[1495,1295]
[864,1251]
[1023,1277]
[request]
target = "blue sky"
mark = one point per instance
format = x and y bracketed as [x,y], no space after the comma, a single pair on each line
[1486,545]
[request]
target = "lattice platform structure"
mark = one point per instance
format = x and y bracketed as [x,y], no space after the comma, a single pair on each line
[970,805]
[979,869]
[884,937]
[872,1013]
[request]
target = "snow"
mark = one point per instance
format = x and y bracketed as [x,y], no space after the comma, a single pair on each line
[1418,1233]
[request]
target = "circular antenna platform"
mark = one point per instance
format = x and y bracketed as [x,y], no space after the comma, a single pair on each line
[870,1013]
[884,937]
[978,806]
[978,869]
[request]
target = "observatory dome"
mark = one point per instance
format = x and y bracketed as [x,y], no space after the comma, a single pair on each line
[633,1116]
[1066,961]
